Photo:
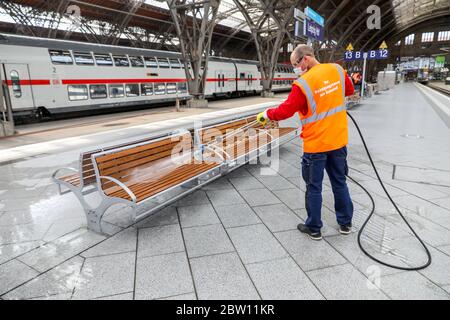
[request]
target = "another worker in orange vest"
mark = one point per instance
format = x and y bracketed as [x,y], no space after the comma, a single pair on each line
[318,96]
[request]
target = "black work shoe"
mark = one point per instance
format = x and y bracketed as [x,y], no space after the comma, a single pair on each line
[312,235]
[345,229]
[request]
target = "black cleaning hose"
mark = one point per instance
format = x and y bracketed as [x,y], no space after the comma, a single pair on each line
[373,210]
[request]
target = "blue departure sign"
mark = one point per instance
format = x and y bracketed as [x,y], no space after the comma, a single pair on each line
[313,30]
[315,16]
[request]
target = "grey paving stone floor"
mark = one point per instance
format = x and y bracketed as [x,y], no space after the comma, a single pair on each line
[236,238]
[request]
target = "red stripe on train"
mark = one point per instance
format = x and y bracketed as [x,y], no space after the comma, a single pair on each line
[108,81]
[30,82]
[119,81]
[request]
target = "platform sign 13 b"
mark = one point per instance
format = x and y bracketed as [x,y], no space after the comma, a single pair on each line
[353,55]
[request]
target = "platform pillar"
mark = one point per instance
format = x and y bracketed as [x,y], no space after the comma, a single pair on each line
[269,22]
[195,36]
[197,103]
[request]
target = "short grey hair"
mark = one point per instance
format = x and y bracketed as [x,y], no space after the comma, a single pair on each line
[303,50]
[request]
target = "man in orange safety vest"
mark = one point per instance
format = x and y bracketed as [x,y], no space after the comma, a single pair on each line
[318,96]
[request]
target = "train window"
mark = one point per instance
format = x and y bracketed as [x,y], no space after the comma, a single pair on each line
[83,58]
[77,92]
[98,91]
[182,87]
[103,59]
[150,62]
[132,90]
[171,88]
[163,63]
[116,91]
[160,88]
[136,62]
[60,57]
[175,64]
[121,61]
[147,89]
[16,87]
[242,75]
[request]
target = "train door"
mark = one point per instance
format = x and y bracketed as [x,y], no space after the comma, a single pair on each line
[220,81]
[229,81]
[243,81]
[249,81]
[20,91]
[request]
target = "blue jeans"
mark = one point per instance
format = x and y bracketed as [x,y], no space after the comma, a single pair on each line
[335,163]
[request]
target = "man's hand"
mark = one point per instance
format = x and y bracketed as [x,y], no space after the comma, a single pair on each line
[262,118]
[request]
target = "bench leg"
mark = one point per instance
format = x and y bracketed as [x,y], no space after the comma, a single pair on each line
[94,220]
[94,216]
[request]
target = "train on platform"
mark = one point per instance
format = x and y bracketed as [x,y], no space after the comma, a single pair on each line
[46,78]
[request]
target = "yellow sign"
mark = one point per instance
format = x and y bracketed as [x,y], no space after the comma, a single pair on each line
[349,47]
[383,45]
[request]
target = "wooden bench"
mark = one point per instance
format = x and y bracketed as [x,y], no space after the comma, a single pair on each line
[151,173]
[148,176]
[82,181]
[240,141]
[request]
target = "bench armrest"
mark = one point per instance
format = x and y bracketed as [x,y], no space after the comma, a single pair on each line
[65,168]
[120,184]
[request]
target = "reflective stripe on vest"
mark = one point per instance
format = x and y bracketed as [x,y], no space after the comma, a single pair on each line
[309,96]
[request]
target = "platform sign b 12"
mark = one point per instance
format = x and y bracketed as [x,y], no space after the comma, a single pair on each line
[378,54]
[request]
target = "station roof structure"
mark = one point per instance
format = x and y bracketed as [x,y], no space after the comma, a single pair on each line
[148,23]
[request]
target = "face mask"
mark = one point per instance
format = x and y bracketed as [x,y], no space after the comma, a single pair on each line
[299,72]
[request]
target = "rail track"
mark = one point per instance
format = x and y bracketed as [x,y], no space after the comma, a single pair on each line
[439,89]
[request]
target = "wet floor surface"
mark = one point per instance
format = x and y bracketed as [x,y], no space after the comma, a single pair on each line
[236,238]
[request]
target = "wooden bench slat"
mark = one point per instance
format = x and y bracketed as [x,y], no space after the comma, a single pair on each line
[176,176]
[73,179]
[138,155]
[144,190]
[144,147]
[124,169]
[143,172]
[172,183]
[151,178]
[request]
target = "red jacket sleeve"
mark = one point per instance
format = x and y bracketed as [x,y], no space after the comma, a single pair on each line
[349,88]
[294,103]
[297,102]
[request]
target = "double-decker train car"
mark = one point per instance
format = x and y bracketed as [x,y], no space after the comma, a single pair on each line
[45,77]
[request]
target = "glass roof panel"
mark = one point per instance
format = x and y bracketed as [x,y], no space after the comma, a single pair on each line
[406,11]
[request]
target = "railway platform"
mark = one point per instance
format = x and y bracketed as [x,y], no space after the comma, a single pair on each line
[235,238]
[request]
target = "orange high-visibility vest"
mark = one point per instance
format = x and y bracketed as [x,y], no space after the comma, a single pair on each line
[324,127]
